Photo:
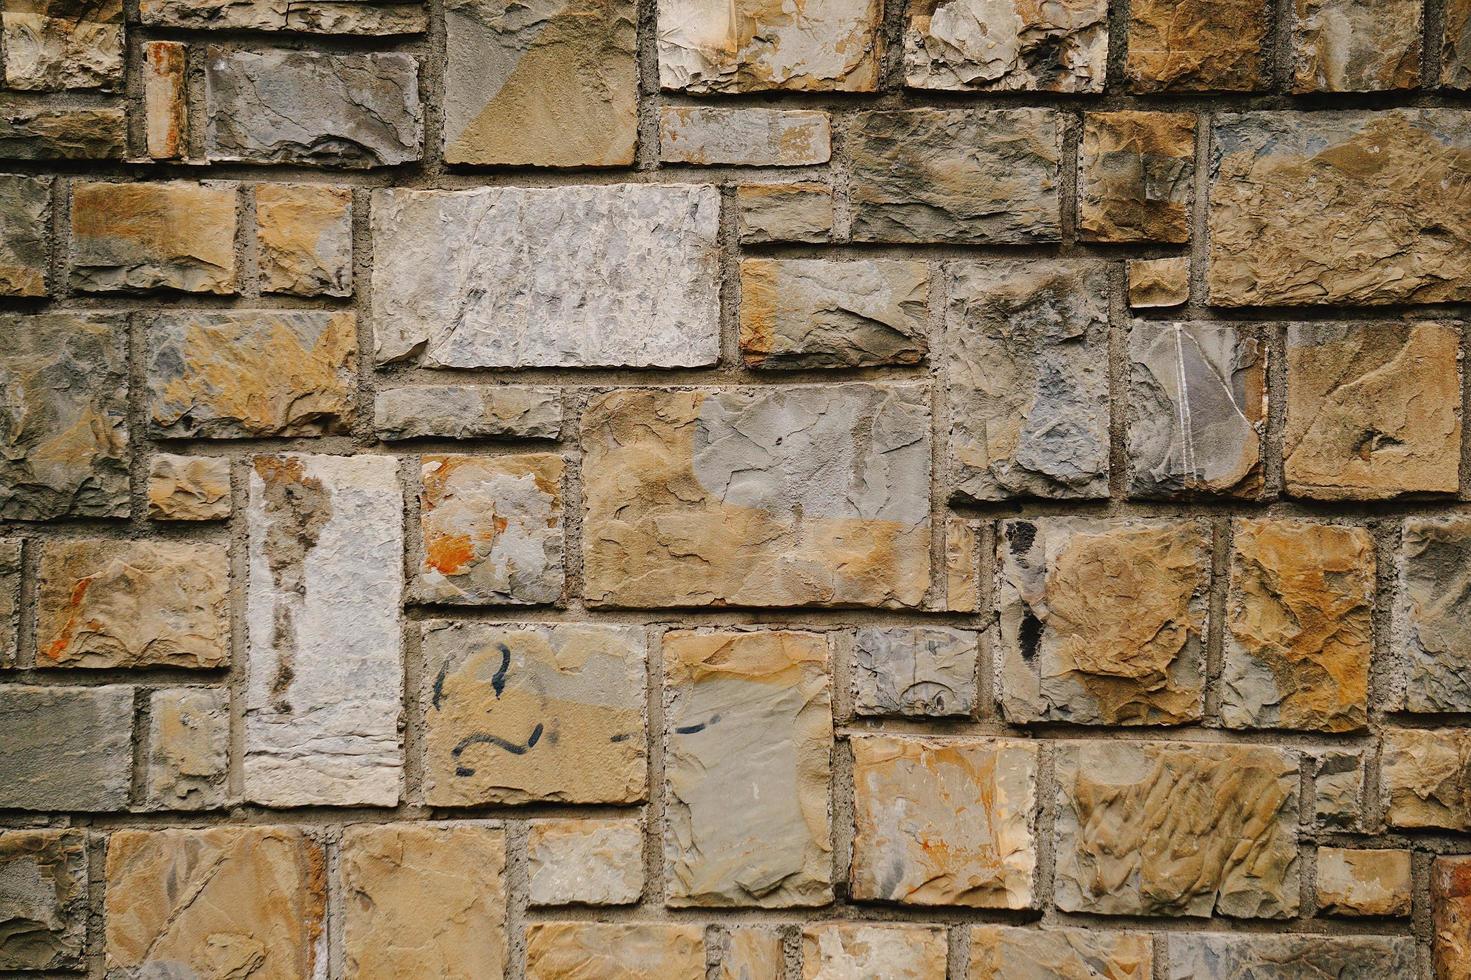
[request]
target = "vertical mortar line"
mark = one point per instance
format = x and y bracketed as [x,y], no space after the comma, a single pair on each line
[569,444]
[1117,385]
[140,443]
[1200,217]
[1463,362]
[362,306]
[730,281]
[131,92]
[334,926]
[791,948]
[95,956]
[655,889]
[1161,948]
[237,681]
[1215,643]
[1307,879]
[247,242]
[1045,887]
[841,647]
[938,405]
[1280,66]
[142,738]
[841,795]
[58,275]
[959,950]
[840,171]
[987,661]
[1118,43]
[716,938]
[646,153]
[413,653]
[891,46]
[1070,123]
[432,72]
[517,896]
[26,639]
[1273,463]
[196,103]
[1386,663]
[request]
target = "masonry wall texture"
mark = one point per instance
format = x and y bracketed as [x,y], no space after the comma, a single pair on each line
[673,490]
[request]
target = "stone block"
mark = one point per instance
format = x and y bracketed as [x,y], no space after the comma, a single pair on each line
[1425,778]
[304,233]
[43,899]
[165,99]
[364,17]
[752,953]
[188,758]
[1019,953]
[1198,45]
[53,45]
[747,760]
[1338,789]
[844,950]
[51,132]
[25,234]
[1011,45]
[65,748]
[962,570]
[923,671]
[615,950]
[1137,177]
[1222,956]
[1450,906]
[549,712]
[1432,614]
[1356,45]
[1364,882]
[1455,45]
[785,496]
[11,569]
[188,488]
[1158,283]
[468,412]
[796,212]
[585,862]
[744,137]
[169,235]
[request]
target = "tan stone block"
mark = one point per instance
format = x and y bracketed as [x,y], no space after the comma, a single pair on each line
[305,236]
[173,235]
[615,951]
[845,950]
[188,748]
[43,899]
[1298,639]
[1432,615]
[1338,789]
[1455,57]
[1373,410]
[752,953]
[133,604]
[962,569]
[222,902]
[25,234]
[52,45]
[423,901]
[51,132]
[1137,177]
[1198,45]
[797,212]
[1425,778]
[1159,283]
[1223,956]
[585,862]
[1363,882]
[165,112]
[1356,45]
[468,412]
[1450,905]
[744,137]
[981,45]
[188,488]
[1018,953]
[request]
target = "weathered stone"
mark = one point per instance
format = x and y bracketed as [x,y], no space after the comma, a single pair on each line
[587,276]
[309,16]
[1356,45]
[799,212]
[282,106]
[544,85]
[172,235]
[65,748]
[165,110]
[491,529]
[188,748]
[233,374]
[31,132]
[585,862]
[1102,621]
[1432,614]
[1006,45]
[782,496]
[844,950]
[752,953]
[956,175]
[1197,408]
[1198,45]
[1177,828]
[751,46]
[814,313]
[615,950]
[325,676]
[468,412]
[52,45]
[1298,626]
[133,604]
[1159,283]
[962,574]
[1340,207]
[552,712]
[1016,953]
[1137,177]
[943,821]
[188,488]
[1373,410]
[1363,882]
[921,671]
[1026,370]
[744,137]
[1425,778]
[25,223]
[1222,956]
[1455,56]
[222,902]
[1450,904]
[747,761]
[305,236]
[63,421]
[43,899]
[1338,789]
[424,901]
[10,574]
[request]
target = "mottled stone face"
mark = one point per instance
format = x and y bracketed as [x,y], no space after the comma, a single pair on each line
[1432,613]
[1012,953]
[1356,45]
[43,899]
[836,950]
[1138,177]
[1198,45]
[1006,45]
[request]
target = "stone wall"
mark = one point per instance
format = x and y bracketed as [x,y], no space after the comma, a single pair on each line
[610,489]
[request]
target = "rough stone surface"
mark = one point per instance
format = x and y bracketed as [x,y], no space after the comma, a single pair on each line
[51,45]
[757,496]
[1373,410]
[1455,49]
[843,950]
[956,175]
[1198,45]
[615,950]
[747,763]
[31,132]
[43,899]
[1363,882]
[797,212]
[924,671]
[1338,789]
[1226,957]
[308,16]
[281,106]
[1178,829]
[324,670]
[550,712]
[1006,45]
[541,277]
[1197,410]
[962,573]
[1026,375]
[1340,207]
[25,222]
[744,137]
[1432,614]
[1158,283]
[1298,612]
[1102,621]
[1013,953]
[544,84]
[1450,903]
[468,412]
[188,488]
[491,529]
[585,862]
[1356,45]
[133,604]
[165,99]
[65,748]
[304,232]
[10,579]
[188,748]
[175,235]
[1137,177]
[752,953]
[234,374]
[1425,778]
[423,901]
[813,313]
[222,902]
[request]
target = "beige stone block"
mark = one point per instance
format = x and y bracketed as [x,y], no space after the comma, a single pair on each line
[615,951]
[1156,284]
[585,862]
[1011,45]
[752,953]
[1029,953]
[188,748]
[1450,905]
[845,950]
[304,232]
[796,212]
[52,45]
[744,137]
[1364,882]
[43,903]
[1137,177]
[162,235]
[1425,778]
[1356,45]
[188,488]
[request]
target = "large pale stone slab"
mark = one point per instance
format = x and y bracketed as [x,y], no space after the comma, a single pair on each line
[1356,45]
[65,748]
[1018,953]
[304,232]
[307,16]
[52,45]
[744,137]
[1354,881]
[1432,614]
[747,761]
[172,235]
[53,132]
[585,862]
[1198,45]
[188,748]
[1450,905]
[782,496]
[1425,778]
[43,899]
[468,412]
[188,488]
[325,677]
[577,276]
[844,950]
[621,950]
[919,671]
[1222,956]
[25,231]
[1177,828]
[1006,45]
[1136,177]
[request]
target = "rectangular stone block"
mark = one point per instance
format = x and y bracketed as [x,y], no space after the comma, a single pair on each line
[491,530]
[31,132]
[962,569]
[751,953]
[165,109]
[744,137]
[423,901]
[840,950]
[1356,45]
[1222,956]
[10,573]
[747,760]
[1425,778]
[237,374]
[1158,283]
[814,313]
[1431,631]
[1338,789]
[1137,177]
[43,899]
[1340,208]
[63,424]
[1450,905]
[1177,829]
[188,488]
[188,748]
[923,671]
[363,17]
[169,235]
[797,212]
[1455,45]
[1026,357]
[304,233]
[25,234]
[106,603]
[65,748]
[586,276]
[1013,45]
[626,950]
[324,677]
[54,45]
[468,412]
[1198,45]
[956,175]
[1298,614]
[540,712]
[1017,953]
[585,862]
[785,496]
[336,110]
[1360,882]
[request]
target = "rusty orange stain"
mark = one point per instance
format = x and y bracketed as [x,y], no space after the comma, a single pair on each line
[448,554]
[63,640]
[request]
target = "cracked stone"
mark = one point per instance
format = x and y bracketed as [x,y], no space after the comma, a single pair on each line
[1159,283]
[304,232]
[165,100]
[53,45]
[844,950]
[1198,45]
[1137,177]
[744,137]
[468,412]
[1222,956]
[308,16]
[622,950]
[29,132]
[188,748]
[171,235]
[797,212]
[188,488]
[65,748]
[10,575]
[1425,778]
[1338,789]
[43,899]
[919,671]
[1432,614]
[1356,45]
[25,222]
[752,953]
[1006,45]
[1450,904]
[1016,953]
[585,862]
[1363,882]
